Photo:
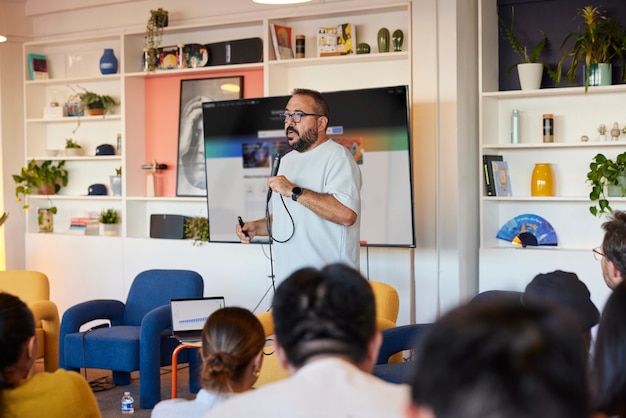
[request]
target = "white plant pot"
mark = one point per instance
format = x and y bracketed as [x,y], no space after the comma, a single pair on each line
[530,75]
[73,152]
[110,230]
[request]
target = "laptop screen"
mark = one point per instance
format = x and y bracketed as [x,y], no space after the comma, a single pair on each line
[191,314]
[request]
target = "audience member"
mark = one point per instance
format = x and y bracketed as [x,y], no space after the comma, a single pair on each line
[613,250]
[500,360]
[609,362]
[326,338]
[232,354]
[59,394]
[557,288]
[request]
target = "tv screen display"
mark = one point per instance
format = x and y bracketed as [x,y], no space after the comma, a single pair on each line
[241,137]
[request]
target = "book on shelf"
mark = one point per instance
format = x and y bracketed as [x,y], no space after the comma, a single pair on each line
[281,39]
[85,226]
[336,40]
[490,188]
[501,179]
[37,67]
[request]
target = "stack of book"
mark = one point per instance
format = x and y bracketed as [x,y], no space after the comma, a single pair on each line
[84,226]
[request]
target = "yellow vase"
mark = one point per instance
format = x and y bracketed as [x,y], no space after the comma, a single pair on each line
[542,181]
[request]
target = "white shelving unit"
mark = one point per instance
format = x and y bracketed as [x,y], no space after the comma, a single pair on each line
[75,62]
[577,113]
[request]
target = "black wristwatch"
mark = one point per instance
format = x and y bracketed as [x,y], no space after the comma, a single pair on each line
[295,193]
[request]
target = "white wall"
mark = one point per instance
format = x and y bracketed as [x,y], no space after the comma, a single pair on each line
[444,110]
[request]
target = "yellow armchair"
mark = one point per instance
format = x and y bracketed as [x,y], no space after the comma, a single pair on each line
[33,288]
[271,370]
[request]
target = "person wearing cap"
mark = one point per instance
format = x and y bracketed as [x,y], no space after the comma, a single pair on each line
[612,253]
[560,289]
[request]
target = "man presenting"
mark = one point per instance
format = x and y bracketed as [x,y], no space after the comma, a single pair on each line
[316,203]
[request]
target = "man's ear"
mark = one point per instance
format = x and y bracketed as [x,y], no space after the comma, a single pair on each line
[281,356]
[417,411]
[322,123]
[31,350]
[614,272]
[373,347]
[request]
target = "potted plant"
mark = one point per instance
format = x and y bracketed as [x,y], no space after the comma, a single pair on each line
[600,41]
[93,103]
[45,178]
[109,220]
[197,228]
[158,20]
[607,179]
[72,148]
[602,131]
[530,71]
[116,182]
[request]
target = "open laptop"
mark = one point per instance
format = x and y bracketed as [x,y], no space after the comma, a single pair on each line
[190,314]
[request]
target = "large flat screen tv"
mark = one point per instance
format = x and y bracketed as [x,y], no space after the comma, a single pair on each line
[241,137]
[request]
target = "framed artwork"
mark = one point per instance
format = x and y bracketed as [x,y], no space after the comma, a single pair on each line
[37,67]
[190,171]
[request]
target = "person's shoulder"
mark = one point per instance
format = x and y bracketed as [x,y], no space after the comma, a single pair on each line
[249,403]
[168,407]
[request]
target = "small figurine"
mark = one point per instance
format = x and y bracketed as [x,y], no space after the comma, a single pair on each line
[584,138]
[615,132]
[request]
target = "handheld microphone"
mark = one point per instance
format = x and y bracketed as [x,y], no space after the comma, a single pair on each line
[275,165]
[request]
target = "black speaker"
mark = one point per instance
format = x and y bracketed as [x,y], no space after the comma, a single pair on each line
[167,226]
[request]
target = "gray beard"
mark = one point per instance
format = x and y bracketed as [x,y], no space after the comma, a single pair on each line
[307,139]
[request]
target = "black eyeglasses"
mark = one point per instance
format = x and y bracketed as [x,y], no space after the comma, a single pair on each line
[296,116]
[597,254]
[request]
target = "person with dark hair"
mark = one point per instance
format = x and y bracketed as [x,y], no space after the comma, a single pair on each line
[59,394]
[562,289]
[316,201]
[326,339]
[501,360]
[232,355]
[609,362]
[612,254]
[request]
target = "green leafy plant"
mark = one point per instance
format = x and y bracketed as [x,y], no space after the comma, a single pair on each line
[602,173]
[197,228]
[602,129]
[109,216]
[520,49]
[69,143]
[91,100]
[35,176]
[600,41]
[154,34]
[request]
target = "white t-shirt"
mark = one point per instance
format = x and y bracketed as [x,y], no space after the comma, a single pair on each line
[195,408]
[329,169]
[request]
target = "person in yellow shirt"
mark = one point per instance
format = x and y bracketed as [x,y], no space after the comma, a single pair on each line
[59,394]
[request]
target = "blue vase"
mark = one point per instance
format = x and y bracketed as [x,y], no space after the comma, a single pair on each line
[108,62]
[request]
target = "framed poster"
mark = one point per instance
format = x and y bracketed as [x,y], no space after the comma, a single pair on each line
[190,172]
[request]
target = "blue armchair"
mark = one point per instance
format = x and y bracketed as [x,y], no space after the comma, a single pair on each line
[139,337]
[396,340]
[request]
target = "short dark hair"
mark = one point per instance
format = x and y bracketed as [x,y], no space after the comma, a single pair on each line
[328,311]
[321,105]
[497,359]
[609,362]
[16,327]
[614,242]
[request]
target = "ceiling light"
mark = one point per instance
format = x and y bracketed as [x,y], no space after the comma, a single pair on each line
[280,1]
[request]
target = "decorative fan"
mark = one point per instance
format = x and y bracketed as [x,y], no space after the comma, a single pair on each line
[528,229]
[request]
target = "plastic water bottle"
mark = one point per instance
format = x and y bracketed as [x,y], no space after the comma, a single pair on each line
[515,127]
[128,404]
